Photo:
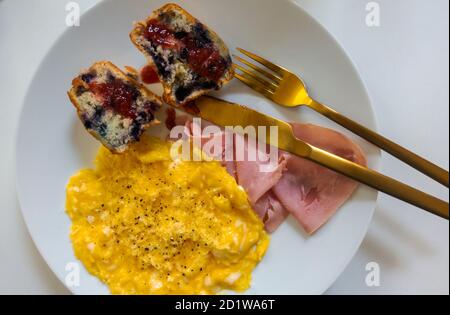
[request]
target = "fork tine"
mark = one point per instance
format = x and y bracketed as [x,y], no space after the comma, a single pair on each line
[271,76]
[275,68]
[255,85]
[270,85]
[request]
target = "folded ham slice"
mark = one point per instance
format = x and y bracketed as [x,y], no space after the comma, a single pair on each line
[308,191]
[271,211]
[249,174]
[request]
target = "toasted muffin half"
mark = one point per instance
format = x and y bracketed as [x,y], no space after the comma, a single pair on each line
[113,106]
[189,58]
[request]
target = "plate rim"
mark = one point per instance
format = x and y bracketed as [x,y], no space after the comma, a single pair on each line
[378,159]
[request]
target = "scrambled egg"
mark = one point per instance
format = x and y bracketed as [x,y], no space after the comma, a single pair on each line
[144,224]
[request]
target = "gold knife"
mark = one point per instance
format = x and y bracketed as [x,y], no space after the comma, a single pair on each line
[223,113]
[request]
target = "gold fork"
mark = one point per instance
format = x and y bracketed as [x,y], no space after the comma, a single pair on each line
[287,89]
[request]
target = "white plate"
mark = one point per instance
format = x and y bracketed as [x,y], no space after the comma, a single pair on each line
[52,143]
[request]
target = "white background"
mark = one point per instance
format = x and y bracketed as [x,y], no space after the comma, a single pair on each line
[405,64]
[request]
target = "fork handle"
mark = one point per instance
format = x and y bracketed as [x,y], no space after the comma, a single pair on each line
[417,162]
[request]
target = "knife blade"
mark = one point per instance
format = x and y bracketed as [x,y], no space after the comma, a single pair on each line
[226,114]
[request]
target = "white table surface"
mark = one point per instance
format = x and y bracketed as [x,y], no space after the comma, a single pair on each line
[405,64]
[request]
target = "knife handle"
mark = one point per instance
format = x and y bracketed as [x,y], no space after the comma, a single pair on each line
[379,181]
[426,167]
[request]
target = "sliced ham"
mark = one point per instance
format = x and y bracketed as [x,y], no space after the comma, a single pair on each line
[308,191]
[249,174]
[271,211]
[331,141]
